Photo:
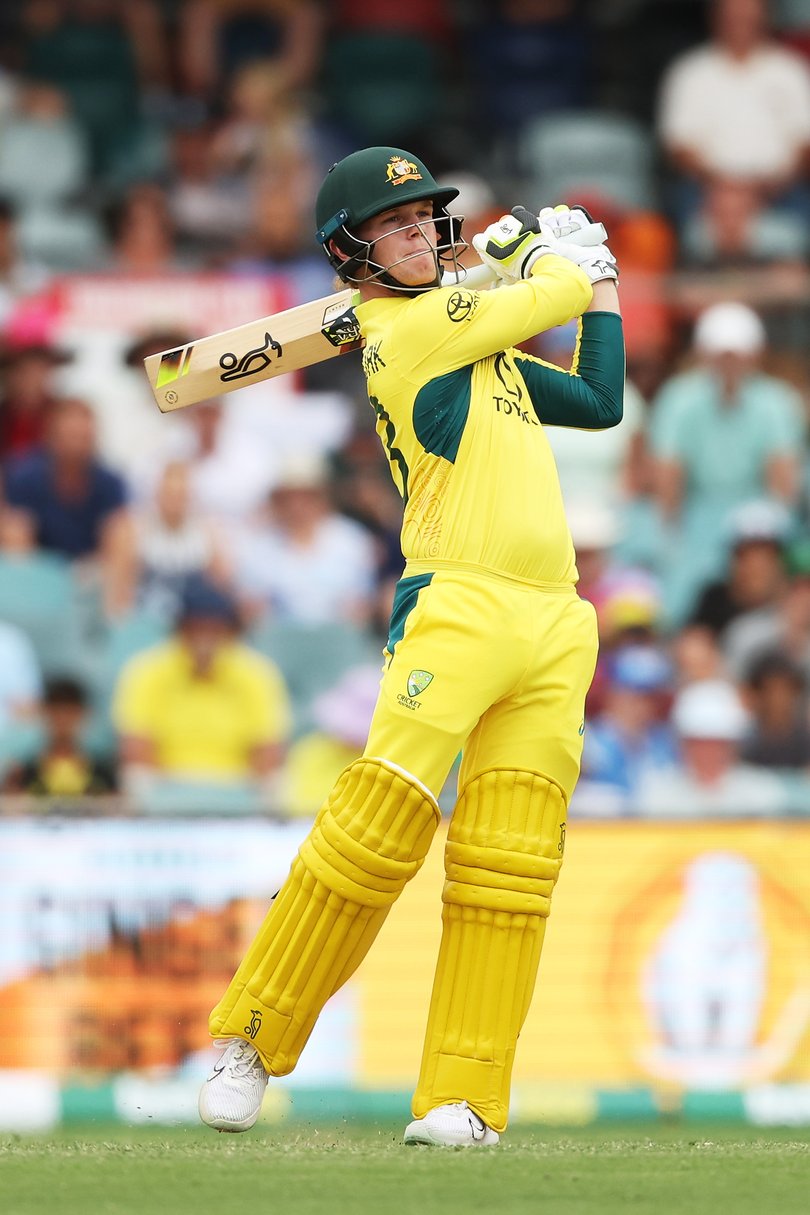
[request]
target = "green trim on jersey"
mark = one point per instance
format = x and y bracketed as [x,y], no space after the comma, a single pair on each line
[440,412]
[405,596]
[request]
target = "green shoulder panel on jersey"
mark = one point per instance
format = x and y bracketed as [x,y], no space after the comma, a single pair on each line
[405,596]
[440,412]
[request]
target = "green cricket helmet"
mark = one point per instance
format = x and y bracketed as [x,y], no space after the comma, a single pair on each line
[367,183]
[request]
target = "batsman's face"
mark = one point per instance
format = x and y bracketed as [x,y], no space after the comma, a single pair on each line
[404,240]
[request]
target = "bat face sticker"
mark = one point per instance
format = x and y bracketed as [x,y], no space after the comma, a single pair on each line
[251,362]
[341,328]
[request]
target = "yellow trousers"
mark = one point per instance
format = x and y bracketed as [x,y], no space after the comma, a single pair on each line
[499,670]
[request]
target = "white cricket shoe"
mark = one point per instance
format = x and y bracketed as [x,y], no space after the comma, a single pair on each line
[451,1126]
[231,1098]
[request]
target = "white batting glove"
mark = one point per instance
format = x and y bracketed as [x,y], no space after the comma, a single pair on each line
[579,238]
[513,244]
[596,260]
[573,224]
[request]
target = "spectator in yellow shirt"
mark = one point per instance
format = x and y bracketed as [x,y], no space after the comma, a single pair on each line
[202,708]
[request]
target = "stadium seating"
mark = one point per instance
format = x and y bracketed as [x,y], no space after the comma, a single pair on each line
[589,152]
[396,85]
[37,593]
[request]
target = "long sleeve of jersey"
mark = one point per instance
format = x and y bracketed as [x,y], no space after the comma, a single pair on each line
[460,413]
[590,396]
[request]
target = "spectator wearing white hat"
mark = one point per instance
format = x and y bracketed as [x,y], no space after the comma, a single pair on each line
[712,724]
[722,434]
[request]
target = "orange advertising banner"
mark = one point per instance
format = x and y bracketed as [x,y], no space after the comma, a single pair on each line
[677,955]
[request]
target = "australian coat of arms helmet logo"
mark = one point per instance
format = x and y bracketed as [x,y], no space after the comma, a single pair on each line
[399,170]
[418,681]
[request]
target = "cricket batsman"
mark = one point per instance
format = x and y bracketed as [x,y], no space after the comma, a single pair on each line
[490,650]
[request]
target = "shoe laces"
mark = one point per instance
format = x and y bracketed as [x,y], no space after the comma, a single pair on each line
[244,1058]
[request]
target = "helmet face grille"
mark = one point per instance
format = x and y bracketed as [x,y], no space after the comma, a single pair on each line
[359,265]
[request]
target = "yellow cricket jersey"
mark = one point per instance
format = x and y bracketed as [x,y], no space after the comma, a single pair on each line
[460,414]
[202,728]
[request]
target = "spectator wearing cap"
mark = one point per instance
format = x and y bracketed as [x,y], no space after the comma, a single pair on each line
[628,610]
[776,692]
[202,708]
[304,562]
[631,735]
[722,433]
[629,607]
[756,575]
[711,724]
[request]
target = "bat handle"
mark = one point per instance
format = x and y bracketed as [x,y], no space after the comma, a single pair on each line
[473,277]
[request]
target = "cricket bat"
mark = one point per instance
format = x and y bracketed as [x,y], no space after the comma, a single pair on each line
[271,346]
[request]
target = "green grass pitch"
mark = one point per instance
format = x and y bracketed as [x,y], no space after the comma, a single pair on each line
[315,1170]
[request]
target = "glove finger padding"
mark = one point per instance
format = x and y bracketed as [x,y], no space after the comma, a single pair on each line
[573,224]
[511,247]
[528,219]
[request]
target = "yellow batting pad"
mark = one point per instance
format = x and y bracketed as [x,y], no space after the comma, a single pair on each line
[504,852]
[369,839]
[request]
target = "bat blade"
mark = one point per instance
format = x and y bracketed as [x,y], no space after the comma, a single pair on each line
[271,346]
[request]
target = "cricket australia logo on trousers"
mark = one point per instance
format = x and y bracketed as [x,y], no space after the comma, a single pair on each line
[417,682]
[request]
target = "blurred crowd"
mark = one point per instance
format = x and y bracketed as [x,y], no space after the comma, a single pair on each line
[193,606]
